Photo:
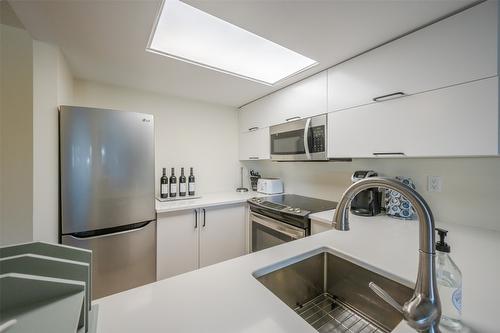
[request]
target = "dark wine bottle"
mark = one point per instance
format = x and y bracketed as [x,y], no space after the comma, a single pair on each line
[182,184]
[191,183]
[164,184]
[172,190]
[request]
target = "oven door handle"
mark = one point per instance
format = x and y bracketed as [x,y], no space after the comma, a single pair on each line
[306,138]
[292,232]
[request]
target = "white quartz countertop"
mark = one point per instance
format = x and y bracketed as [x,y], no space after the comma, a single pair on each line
[227,298]
[325,216]
[206,200]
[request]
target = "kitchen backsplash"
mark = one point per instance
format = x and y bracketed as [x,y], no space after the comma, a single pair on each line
[467,183]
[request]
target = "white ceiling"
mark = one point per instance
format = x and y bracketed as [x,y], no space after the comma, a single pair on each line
[105,40]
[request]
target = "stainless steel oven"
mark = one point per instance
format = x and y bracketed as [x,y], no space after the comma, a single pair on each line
[300,140]
[267,232]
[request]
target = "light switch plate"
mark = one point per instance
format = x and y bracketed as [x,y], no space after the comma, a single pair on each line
[434,184]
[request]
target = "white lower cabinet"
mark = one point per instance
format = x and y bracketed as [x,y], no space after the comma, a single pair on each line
[462,120]
[318,226]
[190,239]
[255,144]
[222,234]
[177,244]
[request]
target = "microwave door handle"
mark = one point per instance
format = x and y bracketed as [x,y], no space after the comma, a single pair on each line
[306,138]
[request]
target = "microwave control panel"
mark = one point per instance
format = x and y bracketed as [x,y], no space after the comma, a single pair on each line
[317,142]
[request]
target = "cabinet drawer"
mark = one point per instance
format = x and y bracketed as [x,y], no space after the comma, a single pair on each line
[459,49]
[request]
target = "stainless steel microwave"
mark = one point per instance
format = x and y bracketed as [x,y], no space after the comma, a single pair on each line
[300,140]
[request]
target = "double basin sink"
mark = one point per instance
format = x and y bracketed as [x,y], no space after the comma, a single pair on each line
[332,294]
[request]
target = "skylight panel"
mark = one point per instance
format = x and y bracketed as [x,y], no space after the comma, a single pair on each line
[189,34]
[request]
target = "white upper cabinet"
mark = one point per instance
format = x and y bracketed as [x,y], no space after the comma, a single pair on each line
[253,116]
[461,48]
[461,120]
[255,145]
[302,99]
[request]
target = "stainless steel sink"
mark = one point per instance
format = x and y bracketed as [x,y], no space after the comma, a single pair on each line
[332,294]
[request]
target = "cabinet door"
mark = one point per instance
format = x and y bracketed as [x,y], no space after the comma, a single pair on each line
[461,120]
[177,243]
[255,145]
[253,116]
[461,48]
[318,227]
[299,100]
[222,233]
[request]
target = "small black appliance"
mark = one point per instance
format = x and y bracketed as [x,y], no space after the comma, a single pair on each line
[367,202]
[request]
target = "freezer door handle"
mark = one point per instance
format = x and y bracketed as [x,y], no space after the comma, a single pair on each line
[121,232]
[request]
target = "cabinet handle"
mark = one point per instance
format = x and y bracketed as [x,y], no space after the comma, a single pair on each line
[204,217]
[195,219]
[251,129]
[389,154]
[390,96]
[293,118]
[253,158]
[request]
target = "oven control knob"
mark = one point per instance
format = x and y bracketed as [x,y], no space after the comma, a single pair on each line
[297,210]
[290,209]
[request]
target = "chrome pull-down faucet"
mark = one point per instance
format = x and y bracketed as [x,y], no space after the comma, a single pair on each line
[423,310]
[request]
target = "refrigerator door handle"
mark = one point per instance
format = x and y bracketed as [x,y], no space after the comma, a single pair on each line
[110,234]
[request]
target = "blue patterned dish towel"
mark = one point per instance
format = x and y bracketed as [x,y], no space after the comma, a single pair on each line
[397,205]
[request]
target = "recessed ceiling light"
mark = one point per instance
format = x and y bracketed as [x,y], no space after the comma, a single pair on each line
[189,34]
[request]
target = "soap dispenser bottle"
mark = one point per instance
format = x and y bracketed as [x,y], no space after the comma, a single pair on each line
[449,280]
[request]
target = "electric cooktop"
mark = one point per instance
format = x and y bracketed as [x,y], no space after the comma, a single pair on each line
[293,204]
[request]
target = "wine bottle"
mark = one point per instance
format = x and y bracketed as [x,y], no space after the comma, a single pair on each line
[172,190]
[182,184]
[191,183]
[164,184]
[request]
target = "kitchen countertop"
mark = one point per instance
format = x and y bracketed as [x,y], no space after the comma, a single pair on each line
[325,216]
[227,298]
[206,200]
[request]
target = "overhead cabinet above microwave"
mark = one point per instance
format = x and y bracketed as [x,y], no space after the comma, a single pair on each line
[303,99]
[458,49]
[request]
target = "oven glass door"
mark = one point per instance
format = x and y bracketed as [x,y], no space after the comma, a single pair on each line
[267,232]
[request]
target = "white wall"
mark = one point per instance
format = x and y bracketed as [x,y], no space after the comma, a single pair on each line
[16,132]
[52,86]
[188,133]
[471,186]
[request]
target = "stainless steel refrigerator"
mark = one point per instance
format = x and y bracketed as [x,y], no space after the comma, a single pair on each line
[107,201]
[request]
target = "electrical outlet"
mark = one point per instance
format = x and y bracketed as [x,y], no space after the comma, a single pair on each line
[434,184]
